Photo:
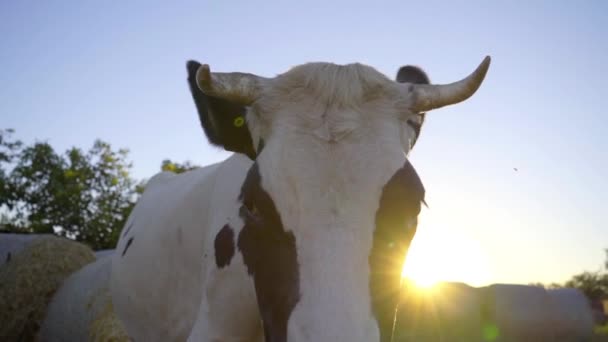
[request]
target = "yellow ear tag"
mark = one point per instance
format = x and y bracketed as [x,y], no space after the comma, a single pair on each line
[239,121]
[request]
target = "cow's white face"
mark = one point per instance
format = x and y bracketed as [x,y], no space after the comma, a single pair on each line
[330,205]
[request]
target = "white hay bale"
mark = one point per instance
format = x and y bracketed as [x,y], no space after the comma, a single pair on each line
[518,313]
[104,253]
[29,281]
[497,313]
[572,315]
[11,244]
[459,312]
[82,308]
[447,312]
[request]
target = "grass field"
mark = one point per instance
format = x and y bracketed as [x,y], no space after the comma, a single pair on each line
[602,330]
[601,334]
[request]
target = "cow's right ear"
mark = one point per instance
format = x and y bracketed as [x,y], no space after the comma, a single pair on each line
[223,121]
[412,74]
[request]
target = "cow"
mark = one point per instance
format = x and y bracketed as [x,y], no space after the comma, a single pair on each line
[300,235]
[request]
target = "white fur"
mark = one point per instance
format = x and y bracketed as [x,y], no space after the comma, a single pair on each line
[169,270]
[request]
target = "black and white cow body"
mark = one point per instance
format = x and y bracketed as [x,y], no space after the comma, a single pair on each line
[190,213]
[300,235]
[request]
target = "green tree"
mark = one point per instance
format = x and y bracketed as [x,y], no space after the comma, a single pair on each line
[593,284]
[86,196]
[168,165]
[9,149]
[546,286]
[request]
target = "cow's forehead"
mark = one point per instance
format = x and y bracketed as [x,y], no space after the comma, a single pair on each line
[317,73]
[329,85]
[322,102]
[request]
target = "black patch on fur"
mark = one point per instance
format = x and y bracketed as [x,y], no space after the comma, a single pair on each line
[8,257]
[260,147]
[129,242]
[127,230]
[413,74]
[217,117]
[416,127]
[270,255]
[396,222]
[224,246]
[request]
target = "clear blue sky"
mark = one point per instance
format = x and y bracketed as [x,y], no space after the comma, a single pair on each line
[73,71]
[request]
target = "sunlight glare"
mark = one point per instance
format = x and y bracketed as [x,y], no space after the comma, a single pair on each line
[444,255]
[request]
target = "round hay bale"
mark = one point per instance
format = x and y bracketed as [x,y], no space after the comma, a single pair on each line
[81,310]
[104,253]
[29,280]
[572,315]
[447,312]
[459,312]
[517,313]
[13,243]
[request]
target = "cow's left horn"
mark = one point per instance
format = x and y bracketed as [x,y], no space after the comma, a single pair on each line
[234,86]
[432,96]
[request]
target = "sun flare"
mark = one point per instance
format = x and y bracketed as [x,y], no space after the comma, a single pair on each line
[444,255]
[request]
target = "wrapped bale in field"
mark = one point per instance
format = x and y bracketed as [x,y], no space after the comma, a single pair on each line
[29,281]
[12,243]
[459,311]
[104,253]
[572,315]
[517,313]
[81,310]
[447,312]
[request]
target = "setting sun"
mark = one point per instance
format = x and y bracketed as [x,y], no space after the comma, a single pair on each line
[444,255]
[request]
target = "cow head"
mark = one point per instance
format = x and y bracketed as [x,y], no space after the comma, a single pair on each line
[330,204]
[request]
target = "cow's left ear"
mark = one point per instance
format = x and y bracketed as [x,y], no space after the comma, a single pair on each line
[223,121]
